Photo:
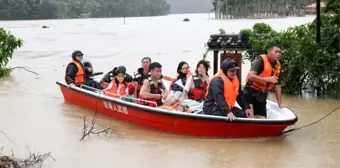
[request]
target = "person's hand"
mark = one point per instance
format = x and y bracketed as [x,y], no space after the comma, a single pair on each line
[283,105]
[164,95]
[231,116]
[272,79]
[249,113]
[159,96]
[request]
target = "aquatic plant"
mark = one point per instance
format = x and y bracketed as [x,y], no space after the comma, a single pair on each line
[8,43]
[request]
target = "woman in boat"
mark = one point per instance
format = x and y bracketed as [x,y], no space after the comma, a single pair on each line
[196,85]
[177,85]
[118,85]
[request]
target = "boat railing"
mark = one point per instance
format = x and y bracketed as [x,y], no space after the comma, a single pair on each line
[117,96]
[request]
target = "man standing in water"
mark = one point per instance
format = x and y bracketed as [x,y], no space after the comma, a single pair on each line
[75,73]
[153,88]
[263,76]
[141,74]
[223,91]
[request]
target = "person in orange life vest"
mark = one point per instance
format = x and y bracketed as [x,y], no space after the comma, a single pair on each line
[118,85]
[223,91]
[141,74]
[176,87]
[263,76]
[75,73]
[153,88]
[105,81]
[196,84]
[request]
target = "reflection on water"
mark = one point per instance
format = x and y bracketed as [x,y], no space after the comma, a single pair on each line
[33,110]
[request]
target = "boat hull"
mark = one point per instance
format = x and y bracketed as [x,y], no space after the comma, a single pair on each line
[173,122]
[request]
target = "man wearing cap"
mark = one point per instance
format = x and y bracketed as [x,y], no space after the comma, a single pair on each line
[75,73]
[110,75]
[223,91]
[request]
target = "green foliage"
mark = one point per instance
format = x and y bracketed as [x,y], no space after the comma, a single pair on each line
[8,43]
[53,9]
[305,64]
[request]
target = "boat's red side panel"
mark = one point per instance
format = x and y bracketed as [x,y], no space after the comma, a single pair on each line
[174,124]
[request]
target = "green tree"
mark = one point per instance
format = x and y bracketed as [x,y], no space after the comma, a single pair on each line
[8,43]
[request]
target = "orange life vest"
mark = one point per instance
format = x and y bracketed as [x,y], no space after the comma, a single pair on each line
[230,88]
[267,72]
[79,78]
[114,90]
[174,80]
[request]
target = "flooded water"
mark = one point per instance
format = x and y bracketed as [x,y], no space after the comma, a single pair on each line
[33,111]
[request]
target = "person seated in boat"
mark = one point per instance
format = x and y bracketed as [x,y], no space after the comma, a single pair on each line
[75,73]
[223,91]
[89,81]
[141,74]
[105,81]
[196,84]
[264,75]
[153,89]
[118,86]
[177,85]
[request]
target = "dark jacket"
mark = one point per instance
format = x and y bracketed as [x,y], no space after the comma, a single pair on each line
[216,94]
[139,76]
[109,76]
[71,72]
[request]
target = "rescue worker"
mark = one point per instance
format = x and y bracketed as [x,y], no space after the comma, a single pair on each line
[89,81]
[223,91]
[153,89]
[75,73]
[141,74]
[105,81]
[177,85]
[263,76]
[196,84]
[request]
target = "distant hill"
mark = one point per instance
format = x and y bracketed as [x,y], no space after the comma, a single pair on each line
[190,6]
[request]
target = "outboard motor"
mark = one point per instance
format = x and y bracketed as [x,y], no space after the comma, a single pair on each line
[87,64]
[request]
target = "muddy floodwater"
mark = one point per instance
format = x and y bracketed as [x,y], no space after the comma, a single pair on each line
[33,112]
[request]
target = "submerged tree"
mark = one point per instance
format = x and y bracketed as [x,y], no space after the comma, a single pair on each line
[8,43]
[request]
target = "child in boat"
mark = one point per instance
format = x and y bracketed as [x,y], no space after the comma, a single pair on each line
[118,86]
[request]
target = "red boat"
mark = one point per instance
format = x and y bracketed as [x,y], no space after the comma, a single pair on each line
[196,124]
[180,122]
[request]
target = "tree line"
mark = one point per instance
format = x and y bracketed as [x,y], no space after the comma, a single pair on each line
[227,9]
[62,9]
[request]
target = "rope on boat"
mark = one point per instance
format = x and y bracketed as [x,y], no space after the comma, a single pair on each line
[315,122]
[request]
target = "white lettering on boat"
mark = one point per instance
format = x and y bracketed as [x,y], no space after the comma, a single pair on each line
[116,108]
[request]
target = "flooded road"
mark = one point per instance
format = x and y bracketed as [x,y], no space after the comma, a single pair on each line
[33,111]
